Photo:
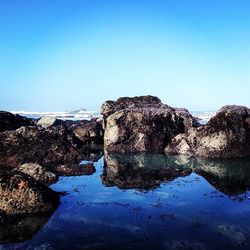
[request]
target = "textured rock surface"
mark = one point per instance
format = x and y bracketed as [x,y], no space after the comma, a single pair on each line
[21,194]
[34,144]
[9,121]
[226,135]
[38,172]
[142,124]
[89,132]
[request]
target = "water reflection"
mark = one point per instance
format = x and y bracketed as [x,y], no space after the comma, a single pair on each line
[232,177]
[23,228]
[144,171]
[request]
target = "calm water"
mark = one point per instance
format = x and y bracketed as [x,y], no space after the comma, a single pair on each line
[145,202]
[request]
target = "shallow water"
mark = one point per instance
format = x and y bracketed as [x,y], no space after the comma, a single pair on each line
[146,202]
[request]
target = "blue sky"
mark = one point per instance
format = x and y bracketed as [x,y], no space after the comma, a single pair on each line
[64,55]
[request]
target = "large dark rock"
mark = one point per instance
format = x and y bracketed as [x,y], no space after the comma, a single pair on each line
[226,135]
[110,107]
[21,194]
[142,124]
[47,147]
[9,121]
[89,132]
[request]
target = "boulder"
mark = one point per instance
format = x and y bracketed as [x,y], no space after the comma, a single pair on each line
[9,121]
[90,132]
[38,172]
[226,135]
[110,107]
[46,147]
[142,124]
[47,121]
[21,194]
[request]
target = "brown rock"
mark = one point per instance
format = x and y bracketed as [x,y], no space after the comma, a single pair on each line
[75,170]
[21,194]
[142,124]
[38,172]
[9,121]
[226,135]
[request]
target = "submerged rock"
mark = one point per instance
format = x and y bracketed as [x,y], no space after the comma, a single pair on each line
[75,170]
[38,172]
[226,135]
[142,124]
[9,121]
[21,194]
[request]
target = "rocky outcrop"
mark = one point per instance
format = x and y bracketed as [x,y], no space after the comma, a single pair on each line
[141,171]
[38,172]
[21,194]
[110,107]
[90,132]
[9,121]
[142,124]
[33,144]
[226,135]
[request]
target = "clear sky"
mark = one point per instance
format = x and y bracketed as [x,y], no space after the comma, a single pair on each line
[59,55]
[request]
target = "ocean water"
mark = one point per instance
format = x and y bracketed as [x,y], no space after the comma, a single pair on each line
[82,114]
[145,201]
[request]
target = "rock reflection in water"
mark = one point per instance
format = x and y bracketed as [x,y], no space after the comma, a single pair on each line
[20,229]
[232,177]
[144,171]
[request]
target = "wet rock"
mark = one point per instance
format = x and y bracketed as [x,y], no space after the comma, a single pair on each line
[9,121]
[21,194]
[75,170]
[226,135]
[33,144]
[142,124]
[38,172]
[47,121]
[141,171]
[90,132]
[110,107]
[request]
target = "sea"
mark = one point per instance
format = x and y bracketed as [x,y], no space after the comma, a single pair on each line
[144,201]
[83,114]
